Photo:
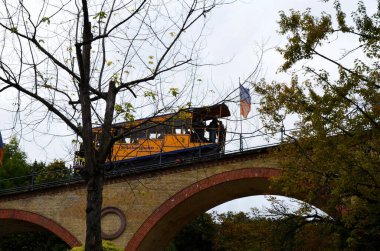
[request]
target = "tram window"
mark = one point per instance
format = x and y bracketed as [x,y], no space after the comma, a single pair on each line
[142,134]
[134,137]
[186,129]
[121,140]
[168,129]
[152,134]
[118,132]
[131,137]
[127,140]
[178,130]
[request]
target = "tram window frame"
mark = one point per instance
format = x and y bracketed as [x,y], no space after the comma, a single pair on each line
[141,134]
[179,126]
[128,139]
[187,126]
[151,132]
[120,132]
[160,131]
[156,131]
[177,130]
[134,137]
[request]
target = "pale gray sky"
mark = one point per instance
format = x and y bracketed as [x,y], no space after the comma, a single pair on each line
[234,35]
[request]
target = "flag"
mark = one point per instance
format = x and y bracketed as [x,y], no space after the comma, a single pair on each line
[245,101]
[1,150]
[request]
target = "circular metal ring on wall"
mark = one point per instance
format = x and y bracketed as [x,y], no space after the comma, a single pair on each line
[122,220]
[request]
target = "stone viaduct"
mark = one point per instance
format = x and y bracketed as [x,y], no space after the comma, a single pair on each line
[141,211]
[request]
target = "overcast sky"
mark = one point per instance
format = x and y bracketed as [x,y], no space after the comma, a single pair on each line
[234,34]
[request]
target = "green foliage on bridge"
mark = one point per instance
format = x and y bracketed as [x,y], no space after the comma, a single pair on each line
[14,165]
[55,170]
[106,245]
[333,159]
[17,172]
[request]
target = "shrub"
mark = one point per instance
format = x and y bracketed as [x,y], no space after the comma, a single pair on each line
[107,246]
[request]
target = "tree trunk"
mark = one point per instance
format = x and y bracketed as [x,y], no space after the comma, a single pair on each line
[93,172]
[93,212]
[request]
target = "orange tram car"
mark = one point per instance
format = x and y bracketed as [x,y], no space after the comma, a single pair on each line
[189,133]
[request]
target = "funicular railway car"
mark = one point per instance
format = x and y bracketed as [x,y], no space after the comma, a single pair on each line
[170,137]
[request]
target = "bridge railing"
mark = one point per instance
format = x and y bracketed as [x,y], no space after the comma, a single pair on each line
[38,180]
[236,143]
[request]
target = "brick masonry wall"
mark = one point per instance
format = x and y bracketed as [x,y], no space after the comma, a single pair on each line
[140,197]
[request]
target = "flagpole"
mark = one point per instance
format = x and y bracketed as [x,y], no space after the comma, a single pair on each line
[241,124]
[245,108]
[1,150]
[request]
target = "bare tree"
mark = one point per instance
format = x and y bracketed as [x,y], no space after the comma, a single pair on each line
[84,60]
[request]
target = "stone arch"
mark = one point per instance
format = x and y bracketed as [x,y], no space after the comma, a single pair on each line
[162,225]
[41,221]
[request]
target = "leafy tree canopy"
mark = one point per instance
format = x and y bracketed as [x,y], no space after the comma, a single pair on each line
[333,157]
[197,235]
[17,172]
[106,245]
[244,231]
[53,171]
[14,165]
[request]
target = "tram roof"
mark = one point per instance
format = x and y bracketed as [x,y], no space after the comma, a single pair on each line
[198,113]
[210,112]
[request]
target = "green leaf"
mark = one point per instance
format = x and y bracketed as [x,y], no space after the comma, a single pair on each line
[174,91]
[119,108]
[150,94]
[116,78]
[126,109]
[100,15]
[45,20]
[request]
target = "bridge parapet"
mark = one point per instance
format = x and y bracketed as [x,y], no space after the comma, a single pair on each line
[179,190]
[70,177]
